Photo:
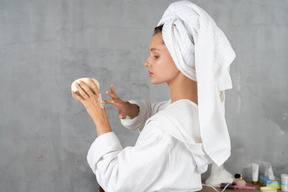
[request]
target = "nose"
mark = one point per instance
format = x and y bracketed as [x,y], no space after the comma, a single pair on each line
[147,62]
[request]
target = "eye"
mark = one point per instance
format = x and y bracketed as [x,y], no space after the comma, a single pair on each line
[156,56]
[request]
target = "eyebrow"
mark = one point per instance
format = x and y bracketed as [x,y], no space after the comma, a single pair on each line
[154,49]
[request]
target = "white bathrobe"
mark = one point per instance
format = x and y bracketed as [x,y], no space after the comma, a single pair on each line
[168,155]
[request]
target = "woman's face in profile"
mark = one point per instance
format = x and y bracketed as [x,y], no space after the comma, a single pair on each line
[160,64]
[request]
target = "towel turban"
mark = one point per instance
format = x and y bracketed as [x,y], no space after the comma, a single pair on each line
[202,53]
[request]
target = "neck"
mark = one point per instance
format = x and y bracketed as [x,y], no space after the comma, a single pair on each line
[183,88]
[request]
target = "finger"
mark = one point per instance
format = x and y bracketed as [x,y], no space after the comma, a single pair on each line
[112,101]
[117,104]
[77,96]
[94,86]
[122,116]
[87,89]
[111,95]
[113,90]
[108,101]
[81,91]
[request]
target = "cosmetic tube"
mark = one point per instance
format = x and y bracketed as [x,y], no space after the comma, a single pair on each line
[255,172]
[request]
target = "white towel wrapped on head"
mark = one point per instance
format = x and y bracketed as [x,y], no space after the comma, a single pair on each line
[202,52]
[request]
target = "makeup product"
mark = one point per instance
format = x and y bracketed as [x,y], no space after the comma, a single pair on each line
[222,185]
[276,183]
[268,189]
[239,182]
[86,81]
[255,172]
[284,182]
[238,176]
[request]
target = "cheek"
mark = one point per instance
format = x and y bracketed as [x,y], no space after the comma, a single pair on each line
[172,72]
[170,67]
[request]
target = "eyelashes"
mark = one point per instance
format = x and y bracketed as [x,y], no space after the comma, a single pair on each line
[154,57]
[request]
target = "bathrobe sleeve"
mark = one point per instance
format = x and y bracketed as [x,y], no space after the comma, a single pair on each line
[146,110]
[144,167]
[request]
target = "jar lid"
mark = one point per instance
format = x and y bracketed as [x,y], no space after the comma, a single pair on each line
[268,189]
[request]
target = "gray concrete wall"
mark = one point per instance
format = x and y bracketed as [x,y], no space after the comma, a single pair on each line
[45,45]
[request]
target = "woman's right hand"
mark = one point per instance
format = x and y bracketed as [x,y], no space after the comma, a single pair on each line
[125,108]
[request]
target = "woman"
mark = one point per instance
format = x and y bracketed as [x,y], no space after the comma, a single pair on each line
[178,138]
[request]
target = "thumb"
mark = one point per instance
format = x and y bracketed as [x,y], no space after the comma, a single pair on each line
[122,116]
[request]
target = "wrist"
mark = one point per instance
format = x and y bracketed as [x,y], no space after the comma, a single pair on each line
[103,127]
[133,110]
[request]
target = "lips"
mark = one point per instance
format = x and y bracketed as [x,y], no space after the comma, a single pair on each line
[150,73]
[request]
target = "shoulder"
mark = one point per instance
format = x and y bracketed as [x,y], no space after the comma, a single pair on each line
[153,133]
[180,120]
[181,110]
[184,105]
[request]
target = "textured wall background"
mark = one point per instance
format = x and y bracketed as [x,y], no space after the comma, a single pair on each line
[45,45]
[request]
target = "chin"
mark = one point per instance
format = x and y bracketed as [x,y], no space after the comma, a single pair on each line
[154,81]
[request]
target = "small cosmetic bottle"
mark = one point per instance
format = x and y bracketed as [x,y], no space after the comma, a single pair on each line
[284,182]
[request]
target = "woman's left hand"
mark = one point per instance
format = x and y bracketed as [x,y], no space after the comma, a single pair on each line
[90,99]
